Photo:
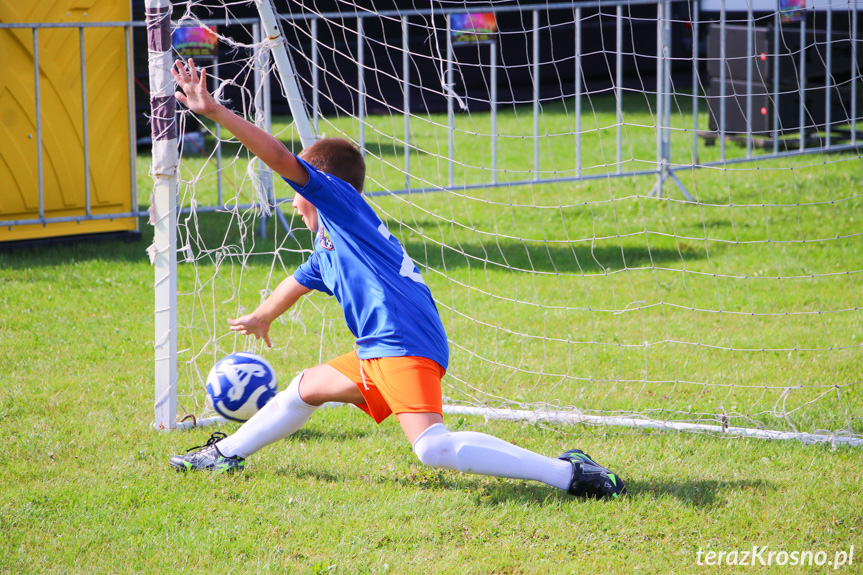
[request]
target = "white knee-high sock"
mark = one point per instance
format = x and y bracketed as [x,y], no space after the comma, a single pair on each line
[283,415]
[473,452]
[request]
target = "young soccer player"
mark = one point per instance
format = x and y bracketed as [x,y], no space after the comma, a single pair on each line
[402,347]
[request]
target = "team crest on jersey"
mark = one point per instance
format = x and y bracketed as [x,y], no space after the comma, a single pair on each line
[324,240]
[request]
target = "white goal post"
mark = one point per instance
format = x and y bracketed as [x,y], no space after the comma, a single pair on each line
[631,213]
[164,172]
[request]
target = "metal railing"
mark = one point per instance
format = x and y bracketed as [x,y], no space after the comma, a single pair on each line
[812,137]
[665,94]
[88,214]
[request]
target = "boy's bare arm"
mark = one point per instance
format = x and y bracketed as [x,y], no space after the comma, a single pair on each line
[263,145]
[257,323]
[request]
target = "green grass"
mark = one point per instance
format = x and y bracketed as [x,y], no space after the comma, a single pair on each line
[86,484]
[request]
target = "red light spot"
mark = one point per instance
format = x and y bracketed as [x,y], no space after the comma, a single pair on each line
[763,110]
[763,56]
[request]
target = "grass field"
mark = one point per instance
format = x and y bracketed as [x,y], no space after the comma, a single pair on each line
[722,319]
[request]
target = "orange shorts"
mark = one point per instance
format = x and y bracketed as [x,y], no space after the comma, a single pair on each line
[394,384]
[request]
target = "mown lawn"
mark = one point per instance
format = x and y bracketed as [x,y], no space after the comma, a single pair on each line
[589,294]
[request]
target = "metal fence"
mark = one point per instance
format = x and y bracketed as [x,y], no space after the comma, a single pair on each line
[835,129]
[87,214]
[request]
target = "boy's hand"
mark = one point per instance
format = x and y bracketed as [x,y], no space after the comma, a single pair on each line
[260,143]
[195,95]
[251,325]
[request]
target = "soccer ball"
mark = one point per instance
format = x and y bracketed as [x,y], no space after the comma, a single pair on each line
[240,384]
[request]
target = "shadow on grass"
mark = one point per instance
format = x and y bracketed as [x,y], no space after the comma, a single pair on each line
[214,230]
[314,474]
[501,255]
[491,491]
[63,250]
[485,491]
[508,255]
[698,493]
[312,434]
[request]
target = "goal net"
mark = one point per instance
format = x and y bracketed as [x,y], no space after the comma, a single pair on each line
[629,213]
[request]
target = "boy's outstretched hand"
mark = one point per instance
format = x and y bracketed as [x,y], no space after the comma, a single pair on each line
[195,95]
[197,98]
[251,325]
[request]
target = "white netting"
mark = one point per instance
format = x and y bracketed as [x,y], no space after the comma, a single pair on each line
[569,284]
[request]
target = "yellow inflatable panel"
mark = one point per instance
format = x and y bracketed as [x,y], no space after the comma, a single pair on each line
[107,71]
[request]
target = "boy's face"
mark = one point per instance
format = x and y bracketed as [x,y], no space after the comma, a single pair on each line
[307,211]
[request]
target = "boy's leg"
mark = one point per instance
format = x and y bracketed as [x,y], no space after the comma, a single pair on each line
[324,383]
[473,452]
[290,410]
[411,387]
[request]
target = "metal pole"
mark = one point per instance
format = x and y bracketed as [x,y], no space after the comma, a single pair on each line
[261,122]
[695,87]
[618,83]
[749,24]
[660,97]
[406,88]
[276,44]
[854,77]
[535,74]
[578,92]
[219,190]
[828,78]
[450,112]
[802,110]
[493,81]
[667,90]
[361,86]
[315,79]
[262,63]
[286,72]
[256,71]
[778,30]
[85,118]
[41,175]
[267,96]
[665,93]
[722,71]
[268,127]
[130,102]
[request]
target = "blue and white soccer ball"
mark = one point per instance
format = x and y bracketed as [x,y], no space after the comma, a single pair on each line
[240,384]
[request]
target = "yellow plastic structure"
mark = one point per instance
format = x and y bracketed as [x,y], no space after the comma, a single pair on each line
[108,71]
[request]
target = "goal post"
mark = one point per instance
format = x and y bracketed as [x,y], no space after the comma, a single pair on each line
[164,170]
[163,252]
[275,40]
[626,212]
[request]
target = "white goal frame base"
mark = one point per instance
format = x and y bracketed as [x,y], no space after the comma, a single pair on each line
[576,418]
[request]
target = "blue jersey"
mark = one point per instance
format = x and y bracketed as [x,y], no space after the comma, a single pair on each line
[387,305]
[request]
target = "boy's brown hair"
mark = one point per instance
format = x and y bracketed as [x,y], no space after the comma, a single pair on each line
[338,157]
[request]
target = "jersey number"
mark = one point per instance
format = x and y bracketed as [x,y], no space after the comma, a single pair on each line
[408,268]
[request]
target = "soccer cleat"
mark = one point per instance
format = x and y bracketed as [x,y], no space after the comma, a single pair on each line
[207,457]
[589,479]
